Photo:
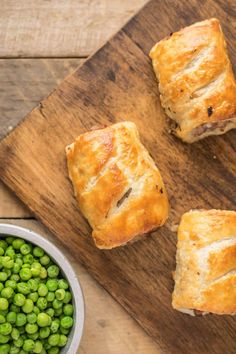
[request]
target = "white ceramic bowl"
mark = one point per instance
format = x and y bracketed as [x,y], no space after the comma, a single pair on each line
[68,272]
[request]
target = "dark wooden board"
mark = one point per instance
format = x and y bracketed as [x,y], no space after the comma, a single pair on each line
[118,83]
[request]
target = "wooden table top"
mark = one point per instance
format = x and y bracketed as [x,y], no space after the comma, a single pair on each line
[40,43]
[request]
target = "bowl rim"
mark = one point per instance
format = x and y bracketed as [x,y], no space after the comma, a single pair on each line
[61,260]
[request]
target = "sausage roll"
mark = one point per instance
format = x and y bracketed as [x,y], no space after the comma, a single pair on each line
[117,184]
[205,277]
[196,81]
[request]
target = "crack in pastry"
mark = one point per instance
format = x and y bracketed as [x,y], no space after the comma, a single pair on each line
[117,184]
[196,82]
[205,276]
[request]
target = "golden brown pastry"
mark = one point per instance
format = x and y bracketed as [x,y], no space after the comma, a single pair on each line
[205,277]
[117,184]
[196,82]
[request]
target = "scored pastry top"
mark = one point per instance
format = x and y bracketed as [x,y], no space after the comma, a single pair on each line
[196,81]
[117,184]
[205,277]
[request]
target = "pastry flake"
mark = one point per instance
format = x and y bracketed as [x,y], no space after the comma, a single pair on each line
[205,276]
[117,184]
[196,82]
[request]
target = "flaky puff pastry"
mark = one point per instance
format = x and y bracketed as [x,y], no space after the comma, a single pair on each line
[196,81]
[205,277]
[117,184]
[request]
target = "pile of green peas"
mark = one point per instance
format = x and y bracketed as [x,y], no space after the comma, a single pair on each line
[36,311]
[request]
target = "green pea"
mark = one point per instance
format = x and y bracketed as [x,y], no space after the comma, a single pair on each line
[64,330]
[1,251]
[5,328]
[10,252]
[16,268]
[25,249]
[54,326]
[57,304]
[42,303]
[43,273]
[2,286]
[36,310]
[36,269]
[28,345]
[3,276]
[2,319]
[17,243]
[19,261]
[42,290]
[60,294]
[7,293]
[38,347]
[52,284]
[19,299]
[67,322]
[14,350]
[25,274]
[54,339]
[23,288]
[67,298]
[33,284]
[4,338]
[15,334]
[38,252]
[3,244]
[45,260]
[7,271]
[50,311]
[20,319]
[44,332]
[7,262]
[43,320]
[11,317]
[50,296]
[53,271]
[3,304]
[62,340]
[10,239]
[28,259]
[68,310]
[10,284]
[18,342]
[63,284]
[28,306]
[15,277]
[5,349]
[32,318]
[58,312]
[31,328]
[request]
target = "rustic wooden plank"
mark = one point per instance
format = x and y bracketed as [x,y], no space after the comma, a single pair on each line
[60,28]
[25,82]
[11,206]
[108,328]
[118,83]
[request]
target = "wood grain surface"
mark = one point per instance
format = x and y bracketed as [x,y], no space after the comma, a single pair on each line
[60,28]
[118,83]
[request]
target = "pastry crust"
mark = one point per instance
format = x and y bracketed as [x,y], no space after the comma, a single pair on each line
[196,82]
[117,184]
[205,277]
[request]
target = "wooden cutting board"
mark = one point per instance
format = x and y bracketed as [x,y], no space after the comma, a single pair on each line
[117,83]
